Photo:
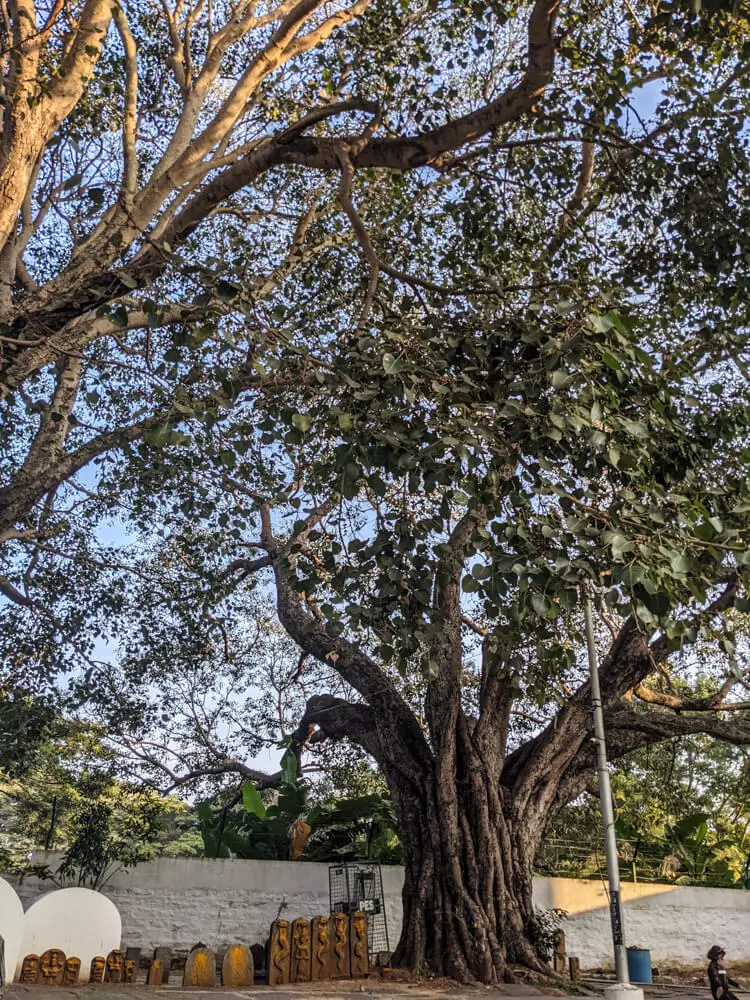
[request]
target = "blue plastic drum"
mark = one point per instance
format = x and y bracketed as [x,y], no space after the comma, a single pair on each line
[639,965]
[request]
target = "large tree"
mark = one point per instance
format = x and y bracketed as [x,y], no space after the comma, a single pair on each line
[435,379]
[127,127]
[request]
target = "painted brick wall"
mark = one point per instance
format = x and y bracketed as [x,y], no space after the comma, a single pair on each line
[178,902]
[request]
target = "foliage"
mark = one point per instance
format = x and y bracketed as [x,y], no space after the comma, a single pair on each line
[546,925]
[25,723]
[664,795]
[115,829]
[70,802]
[698,856]
[344,829]
[439,361]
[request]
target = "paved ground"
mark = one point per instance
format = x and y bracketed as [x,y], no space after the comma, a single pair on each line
[348,990]
[375,987]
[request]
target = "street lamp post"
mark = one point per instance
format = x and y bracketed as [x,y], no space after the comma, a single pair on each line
[623,987]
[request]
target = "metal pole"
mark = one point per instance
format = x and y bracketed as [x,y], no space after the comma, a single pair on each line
[605,798]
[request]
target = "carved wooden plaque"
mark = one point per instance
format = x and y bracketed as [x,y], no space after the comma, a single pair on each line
[340,964]
[237,969]
[279,953]
[29,970]
[200,968]
[51,967]
[115,967]
[72,970]
[321,949]
[360,961]
[300,962]
[154,973]
[98,965]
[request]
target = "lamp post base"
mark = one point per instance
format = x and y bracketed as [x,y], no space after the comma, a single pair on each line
[623,991]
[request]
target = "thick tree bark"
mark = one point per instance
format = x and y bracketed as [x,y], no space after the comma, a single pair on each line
[468,883]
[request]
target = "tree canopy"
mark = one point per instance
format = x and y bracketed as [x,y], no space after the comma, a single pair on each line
[423,317]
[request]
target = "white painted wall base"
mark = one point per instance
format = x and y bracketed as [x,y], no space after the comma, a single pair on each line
[678,924]
[179,901]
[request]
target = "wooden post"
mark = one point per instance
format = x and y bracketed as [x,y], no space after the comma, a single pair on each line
[574,967]
[559,958]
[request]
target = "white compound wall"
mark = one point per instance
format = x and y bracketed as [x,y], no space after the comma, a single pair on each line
[677,923]
[178,902]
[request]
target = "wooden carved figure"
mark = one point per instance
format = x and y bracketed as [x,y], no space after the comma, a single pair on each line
[279,953]
[72,969]
[300,962]
[360,961]
[30,970]
[115,967]
[321,949]
[237,968]
[128,975]
[154,973]
[340,966]
[98,965]
[51,967]
[200,968]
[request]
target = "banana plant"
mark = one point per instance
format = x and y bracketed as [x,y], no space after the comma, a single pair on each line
[699,856]
[291,829]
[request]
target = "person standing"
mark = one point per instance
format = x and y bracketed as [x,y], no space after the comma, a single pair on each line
[718,978]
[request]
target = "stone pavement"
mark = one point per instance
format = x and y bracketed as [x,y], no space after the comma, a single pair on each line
[381,989]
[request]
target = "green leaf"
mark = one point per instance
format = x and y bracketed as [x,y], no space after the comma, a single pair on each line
[600,324]
[120,317]
[392,364]
[251,800]
[704,531]
[680,564]
[611,361]
[636,428]
[539,603]
[302,421]
[226,291]
[619,543]
[127,279]
[288,769]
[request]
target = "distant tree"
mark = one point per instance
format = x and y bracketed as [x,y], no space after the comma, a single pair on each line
[664,794]
[69,801]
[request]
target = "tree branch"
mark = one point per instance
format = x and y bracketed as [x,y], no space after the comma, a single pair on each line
[57,304]
[400,735]
[629,729]
[130,157]
[338,719]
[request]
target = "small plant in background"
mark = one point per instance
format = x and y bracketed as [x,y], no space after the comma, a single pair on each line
[546,924]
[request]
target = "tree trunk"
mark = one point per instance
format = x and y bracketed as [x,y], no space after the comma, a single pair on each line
[468,883]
